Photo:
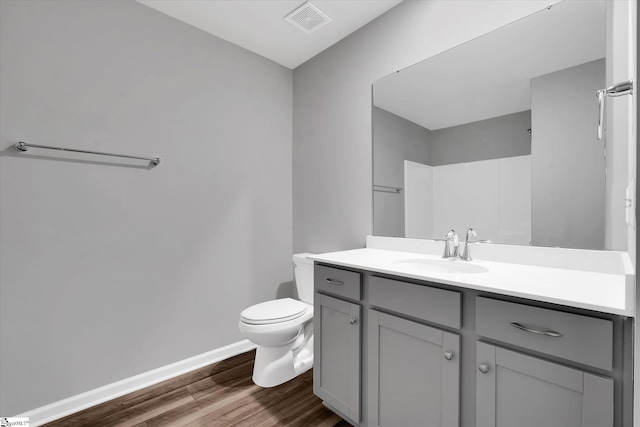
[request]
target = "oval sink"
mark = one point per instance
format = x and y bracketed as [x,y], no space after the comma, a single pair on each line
[442,266]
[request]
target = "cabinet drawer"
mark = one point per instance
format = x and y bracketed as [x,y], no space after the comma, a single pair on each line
[338,282]
[573,337]
[419,301]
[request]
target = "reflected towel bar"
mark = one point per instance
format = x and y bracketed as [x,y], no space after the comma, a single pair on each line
[22,146]
[387,189]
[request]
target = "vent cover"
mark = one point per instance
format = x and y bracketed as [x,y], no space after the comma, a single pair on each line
[308,18]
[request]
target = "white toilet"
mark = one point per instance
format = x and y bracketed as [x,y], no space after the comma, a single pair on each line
[283,330]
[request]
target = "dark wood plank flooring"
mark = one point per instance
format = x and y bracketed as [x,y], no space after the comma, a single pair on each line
[221,394]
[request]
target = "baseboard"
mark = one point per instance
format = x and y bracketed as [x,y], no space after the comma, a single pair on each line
[108,392]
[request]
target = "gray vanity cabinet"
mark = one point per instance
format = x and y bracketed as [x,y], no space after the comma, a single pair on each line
[400,352]
[513,389]
[414,373]
[337,340]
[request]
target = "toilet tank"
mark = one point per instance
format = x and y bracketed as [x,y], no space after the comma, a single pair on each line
[303,273]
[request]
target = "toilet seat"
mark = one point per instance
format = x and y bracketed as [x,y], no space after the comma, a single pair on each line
[276,311]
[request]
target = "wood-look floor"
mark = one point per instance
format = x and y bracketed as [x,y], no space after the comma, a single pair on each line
[221,394]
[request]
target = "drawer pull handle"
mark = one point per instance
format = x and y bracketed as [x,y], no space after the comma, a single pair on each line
[334,282]
[353,321]
[534,331]
[484,368]
[448,355]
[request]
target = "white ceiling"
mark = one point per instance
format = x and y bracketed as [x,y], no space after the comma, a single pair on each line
[259,25]
[491,75]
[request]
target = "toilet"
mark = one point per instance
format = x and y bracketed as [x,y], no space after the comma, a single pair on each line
[282,329]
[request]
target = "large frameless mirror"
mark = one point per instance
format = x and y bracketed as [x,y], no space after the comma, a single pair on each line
[498,134]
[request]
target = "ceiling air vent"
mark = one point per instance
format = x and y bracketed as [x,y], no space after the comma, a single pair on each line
[308,18]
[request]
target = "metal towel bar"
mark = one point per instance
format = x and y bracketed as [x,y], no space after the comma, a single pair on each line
[387,189]
[22,146]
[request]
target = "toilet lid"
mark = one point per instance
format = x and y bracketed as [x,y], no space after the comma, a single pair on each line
[276,311]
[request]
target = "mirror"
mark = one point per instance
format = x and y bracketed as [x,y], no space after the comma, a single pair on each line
[498,134]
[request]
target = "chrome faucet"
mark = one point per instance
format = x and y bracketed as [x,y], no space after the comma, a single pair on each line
[451,245]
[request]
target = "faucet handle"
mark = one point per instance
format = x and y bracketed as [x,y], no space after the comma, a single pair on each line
[470,233]
[450,238]
[466,253]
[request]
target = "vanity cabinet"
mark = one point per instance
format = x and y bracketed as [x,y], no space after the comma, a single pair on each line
[394,352]
[414,373]
[337,340]
[513,389]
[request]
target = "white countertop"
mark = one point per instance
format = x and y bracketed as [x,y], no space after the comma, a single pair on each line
[609,292]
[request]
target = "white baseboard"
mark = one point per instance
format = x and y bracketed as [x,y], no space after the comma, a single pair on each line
[108,392]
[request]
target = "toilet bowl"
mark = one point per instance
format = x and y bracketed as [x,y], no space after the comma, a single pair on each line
[282,330]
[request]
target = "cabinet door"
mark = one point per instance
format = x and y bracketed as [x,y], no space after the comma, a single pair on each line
[336,371]
[414,373]
[513,389]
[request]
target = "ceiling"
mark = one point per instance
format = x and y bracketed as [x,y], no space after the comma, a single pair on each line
[259,25]
[491,75]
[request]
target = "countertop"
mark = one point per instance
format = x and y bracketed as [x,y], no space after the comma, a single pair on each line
[608,292]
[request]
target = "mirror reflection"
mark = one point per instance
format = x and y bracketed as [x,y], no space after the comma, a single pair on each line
[498,134]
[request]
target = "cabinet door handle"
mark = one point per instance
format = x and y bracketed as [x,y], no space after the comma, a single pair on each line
[535,331]
[448,355]
[353,321]
[483,367]
[334,282]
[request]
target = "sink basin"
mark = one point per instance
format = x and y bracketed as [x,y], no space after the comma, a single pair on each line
[441,266]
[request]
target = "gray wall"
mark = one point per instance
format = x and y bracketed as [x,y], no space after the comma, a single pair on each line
[395,140]
[494,138]
[567,159]
[332,153]
[109,271]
